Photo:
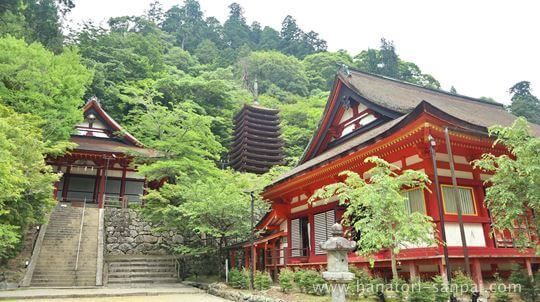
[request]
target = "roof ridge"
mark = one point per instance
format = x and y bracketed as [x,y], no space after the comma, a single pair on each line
[465,97]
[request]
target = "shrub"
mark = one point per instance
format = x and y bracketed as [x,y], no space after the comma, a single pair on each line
[462,284]
[529,290]
[422,292]
[237,279]
[286,279]
[500,294]
[360,284]
[262,280]
[310,281]
[398,285]
[441,293]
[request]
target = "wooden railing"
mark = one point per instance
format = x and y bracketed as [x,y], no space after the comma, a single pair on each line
[115,202]
[279,256]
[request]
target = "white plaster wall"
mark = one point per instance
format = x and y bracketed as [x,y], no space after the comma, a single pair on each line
[474,234]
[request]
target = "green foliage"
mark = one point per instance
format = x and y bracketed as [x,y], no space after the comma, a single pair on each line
[262,280]
[377,205]
[286,279]
[514,189]
[238,278]
[399,286]
[462,284]
[500,294]
[309,281]
[423,292]
[361,284]
[530,288]
[34,21]
[386,62]
[321,68]
[524,103]
[274,68]
[25,180]
[34,80]
[441,290]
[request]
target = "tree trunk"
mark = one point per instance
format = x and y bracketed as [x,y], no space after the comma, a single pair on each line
[394,264]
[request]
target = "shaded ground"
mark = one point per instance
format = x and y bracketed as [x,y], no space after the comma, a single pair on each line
[107,293]
[161,298]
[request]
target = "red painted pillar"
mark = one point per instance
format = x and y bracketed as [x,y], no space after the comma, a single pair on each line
[477,274]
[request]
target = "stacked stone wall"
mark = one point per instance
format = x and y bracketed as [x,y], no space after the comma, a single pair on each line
[127,233]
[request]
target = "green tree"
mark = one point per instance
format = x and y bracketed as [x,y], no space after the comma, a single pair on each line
[180,133]
[376,208]
[35,21]
[386,62]
[207,52]
[236,32]
[321,68]
[514,189]
[25,180]
[524,103]
[274,68]
[34,80]
[270,39]
[186,24]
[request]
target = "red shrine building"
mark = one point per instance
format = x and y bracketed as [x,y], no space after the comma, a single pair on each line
[98,170]
[368,115]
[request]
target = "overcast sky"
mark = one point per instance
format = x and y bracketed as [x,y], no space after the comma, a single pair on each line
[480,47]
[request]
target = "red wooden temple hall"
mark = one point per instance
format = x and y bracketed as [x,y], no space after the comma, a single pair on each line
[98,171]
[368,115]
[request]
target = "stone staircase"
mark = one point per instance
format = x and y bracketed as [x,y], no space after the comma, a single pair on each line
[56,262]
[140,270]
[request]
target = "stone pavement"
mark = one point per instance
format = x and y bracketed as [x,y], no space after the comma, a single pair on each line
[161,292]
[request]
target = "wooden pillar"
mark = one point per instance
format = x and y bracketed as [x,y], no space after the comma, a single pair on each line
[123,183]
[477,274]
[101,193]
[413,271]
[96,185]
[254,258]
[442,270]
[66,183]
[232,254]
[528,265]
[246,258]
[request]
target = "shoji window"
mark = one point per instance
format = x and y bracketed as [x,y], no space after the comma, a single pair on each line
[465,196]
[415,201]
[323,225]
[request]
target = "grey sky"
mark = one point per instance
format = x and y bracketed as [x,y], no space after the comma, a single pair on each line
[480,47]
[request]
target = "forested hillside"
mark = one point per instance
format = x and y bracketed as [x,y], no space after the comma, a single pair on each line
[174,78]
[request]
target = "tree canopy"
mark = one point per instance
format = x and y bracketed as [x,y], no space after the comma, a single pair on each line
[513,192]
[376,208]
[524,103]
[26,182]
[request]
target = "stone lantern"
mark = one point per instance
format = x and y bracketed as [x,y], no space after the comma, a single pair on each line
[337,249]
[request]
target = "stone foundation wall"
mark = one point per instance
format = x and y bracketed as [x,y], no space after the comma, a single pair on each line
[127,233]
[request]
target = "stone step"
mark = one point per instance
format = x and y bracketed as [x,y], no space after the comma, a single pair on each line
[140,264]
[143,280]
[142,269]
[140,274]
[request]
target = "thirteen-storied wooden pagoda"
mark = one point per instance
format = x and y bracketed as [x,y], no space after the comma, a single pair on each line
[257,145]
